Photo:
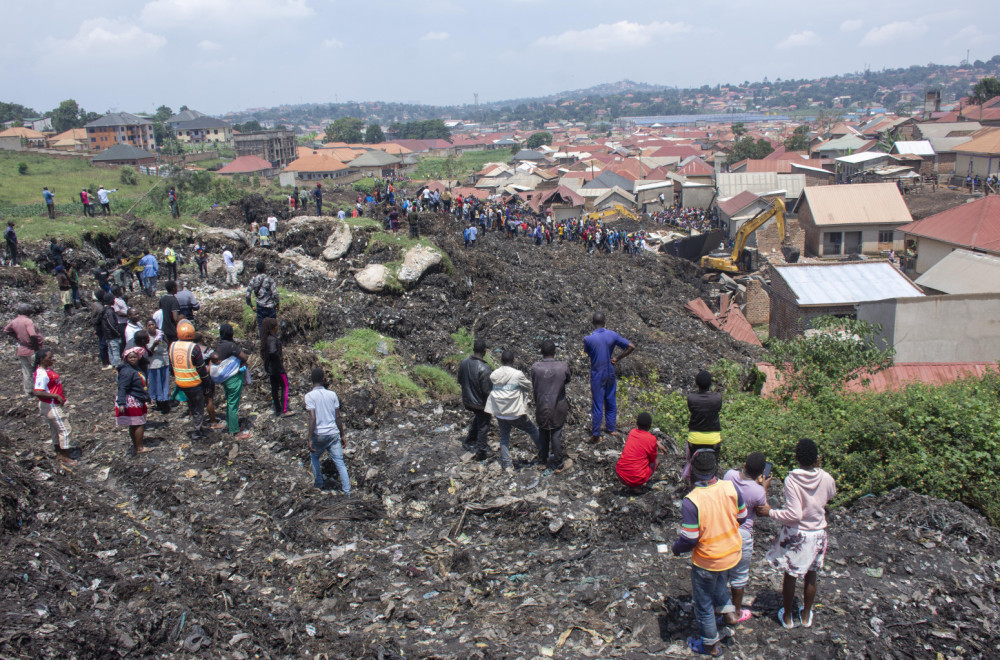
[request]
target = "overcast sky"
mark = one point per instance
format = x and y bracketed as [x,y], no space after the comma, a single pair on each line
[220,55]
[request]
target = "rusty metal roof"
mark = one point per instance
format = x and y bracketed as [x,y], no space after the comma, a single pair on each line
[898,376]
[856,204]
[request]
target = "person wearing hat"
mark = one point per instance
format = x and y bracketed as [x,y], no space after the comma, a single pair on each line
[704,428]
[190,370]
[711,515]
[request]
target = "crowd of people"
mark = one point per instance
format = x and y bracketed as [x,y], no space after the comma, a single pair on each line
[168,358]
[688,219]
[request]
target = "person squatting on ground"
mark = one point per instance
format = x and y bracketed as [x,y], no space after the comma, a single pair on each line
[190,370]
[711,515]
[263,287]
[752,482]
[326,431]
[640,455]
[600,347]
[48,388]
[508,402]
[274,366]
[704,428]
[800,546]
[549,378]
[22,329]
[133,395]
[474,378]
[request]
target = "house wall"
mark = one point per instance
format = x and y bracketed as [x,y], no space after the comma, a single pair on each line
[958,328]
[929,252]
[758,307]
[972,164]
[104,137]
[12,143]
[202,135]
[698,198]
[870,243]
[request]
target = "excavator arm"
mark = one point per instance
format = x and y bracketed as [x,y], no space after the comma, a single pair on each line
[730,263]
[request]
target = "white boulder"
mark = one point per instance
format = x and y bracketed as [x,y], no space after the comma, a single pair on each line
[372,277]
[338,243]
[416,262]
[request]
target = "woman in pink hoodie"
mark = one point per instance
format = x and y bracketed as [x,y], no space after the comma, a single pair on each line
[800,547]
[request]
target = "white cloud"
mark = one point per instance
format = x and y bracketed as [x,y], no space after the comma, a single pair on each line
[434,36]
[209,45]
[214,13]
[852,24]
[893,32]
[970,34]
[615,36]
[103,38]
[333,43]
[804,38]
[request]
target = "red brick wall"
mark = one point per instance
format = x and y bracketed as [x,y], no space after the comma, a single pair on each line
[758,307]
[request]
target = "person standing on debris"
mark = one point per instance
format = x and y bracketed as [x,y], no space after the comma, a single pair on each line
[753,481]
[600,347]
[171,312]
[29,340]
[272,227]
[150,271]
[263,287]
[158,376]
[474,378]
[326,431]
[227,258]
[227,349]
[65,290]
[10,237]
[640,455]
[274,366]
[202,262]
[710,518]
[264,235]
[73,275]
[56,251]
[175,211]
[188,303]
[112,331]
[50,202]
[96,315]
[318,196]
[170,258]
[101,275]
[704,428]
[800,546]
[549,378]
[190,370]
[413,219]
[102,197]
[48,389]
[508,402]
[130,403]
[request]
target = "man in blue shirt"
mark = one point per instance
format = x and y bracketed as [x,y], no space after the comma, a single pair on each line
[600,346]
[150,270]
[50,201]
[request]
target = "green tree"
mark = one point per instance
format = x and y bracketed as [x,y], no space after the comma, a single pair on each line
[345,129]
[163,113]
[183,108]
[745,147]
[251,126]
[538,139]
[374,134]
[841,351]
[22,168]
[739,129]
[66,116]
[127,176]
[799,140]
[429,129]
[986,89]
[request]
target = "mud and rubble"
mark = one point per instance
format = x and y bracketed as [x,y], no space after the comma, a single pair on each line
[225,550]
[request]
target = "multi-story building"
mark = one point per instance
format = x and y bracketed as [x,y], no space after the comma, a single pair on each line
[276,147]
[120,128]
[196,127]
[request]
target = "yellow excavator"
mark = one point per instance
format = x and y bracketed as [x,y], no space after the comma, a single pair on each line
[617,209]
[730,263]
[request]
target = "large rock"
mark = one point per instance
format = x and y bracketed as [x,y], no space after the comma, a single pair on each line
[372,278]
[338,243]
[221,235]
[416,262]
[308,267]
[216,265]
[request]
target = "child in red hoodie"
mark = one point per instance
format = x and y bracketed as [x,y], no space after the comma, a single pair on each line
[639,457]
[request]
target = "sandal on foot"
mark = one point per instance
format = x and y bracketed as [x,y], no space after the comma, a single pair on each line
[781,620]
[698,646]
[805,623]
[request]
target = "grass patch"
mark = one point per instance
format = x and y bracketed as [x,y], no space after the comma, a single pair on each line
[458,167]
[362,353]
[362,222]
[464,341]
[437,381]
[398,245]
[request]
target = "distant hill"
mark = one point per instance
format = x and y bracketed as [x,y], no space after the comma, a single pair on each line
[899,90]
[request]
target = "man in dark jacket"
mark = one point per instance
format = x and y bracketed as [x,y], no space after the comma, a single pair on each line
[704,429]
[474,377]
[548,379]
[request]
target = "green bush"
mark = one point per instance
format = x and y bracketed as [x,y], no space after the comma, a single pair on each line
[127,175]
[366,185]
[22,168]
[438,381]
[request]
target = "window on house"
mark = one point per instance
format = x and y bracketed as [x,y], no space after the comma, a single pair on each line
[885,236]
